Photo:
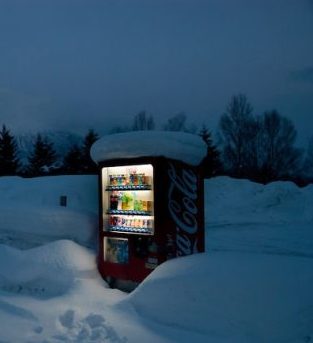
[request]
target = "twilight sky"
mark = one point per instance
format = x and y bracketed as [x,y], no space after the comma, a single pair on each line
[79,64]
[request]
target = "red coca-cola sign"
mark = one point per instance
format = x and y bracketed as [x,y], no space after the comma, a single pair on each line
[183,207]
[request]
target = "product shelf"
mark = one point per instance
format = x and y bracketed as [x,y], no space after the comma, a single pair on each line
[126,229]
[129,188]
[130,212]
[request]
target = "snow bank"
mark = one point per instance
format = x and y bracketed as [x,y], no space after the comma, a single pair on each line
[176,145]
[232,297]
[244,216]
[81,191]
[233,201]
[45,271]
[31,214]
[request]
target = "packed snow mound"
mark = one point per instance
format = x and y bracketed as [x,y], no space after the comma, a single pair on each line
[31,214]
[241,215]
[181,146]
[232,201]
[81,191]
[47,270]
[26,227]
[232,297]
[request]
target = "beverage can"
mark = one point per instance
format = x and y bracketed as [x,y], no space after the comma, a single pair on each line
[144,205]
[140,179]
[111,178]
[118,180]
[146,180]
[114,220]
[114,180]
[111,221]
[119,201]
[136,205]
[113,202]
[149,206]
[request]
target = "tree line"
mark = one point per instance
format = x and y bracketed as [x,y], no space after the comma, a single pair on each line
[261,147]
[42,159]
[258,147]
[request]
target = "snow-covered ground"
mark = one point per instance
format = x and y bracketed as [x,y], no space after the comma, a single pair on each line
[250,217]
[253,284]
[31,214]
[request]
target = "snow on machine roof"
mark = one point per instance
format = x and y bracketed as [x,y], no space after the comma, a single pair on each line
[186,147]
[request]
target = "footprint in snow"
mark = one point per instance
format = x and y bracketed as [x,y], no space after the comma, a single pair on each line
[92,328]
[67,319]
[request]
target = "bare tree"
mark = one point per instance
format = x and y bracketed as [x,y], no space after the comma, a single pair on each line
[278,156]
[178,123]
[143,122]
[238,131]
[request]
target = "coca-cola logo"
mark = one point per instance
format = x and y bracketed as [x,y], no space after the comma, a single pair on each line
[182,197]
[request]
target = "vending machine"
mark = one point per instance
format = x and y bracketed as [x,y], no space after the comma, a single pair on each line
[151,210]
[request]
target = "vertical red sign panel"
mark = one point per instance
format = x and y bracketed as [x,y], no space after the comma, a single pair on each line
[185,208]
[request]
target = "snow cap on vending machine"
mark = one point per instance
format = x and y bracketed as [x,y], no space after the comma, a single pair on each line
[151,200]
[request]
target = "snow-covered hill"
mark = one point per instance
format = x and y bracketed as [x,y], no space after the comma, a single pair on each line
[253,284]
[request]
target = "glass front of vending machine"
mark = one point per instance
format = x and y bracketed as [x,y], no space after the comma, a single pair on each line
[127,215]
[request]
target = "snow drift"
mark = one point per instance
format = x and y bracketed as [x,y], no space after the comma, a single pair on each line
[244,216]
[232,297]
[45,271]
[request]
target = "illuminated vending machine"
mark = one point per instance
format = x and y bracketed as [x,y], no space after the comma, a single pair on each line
[151,211]
[151,207]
